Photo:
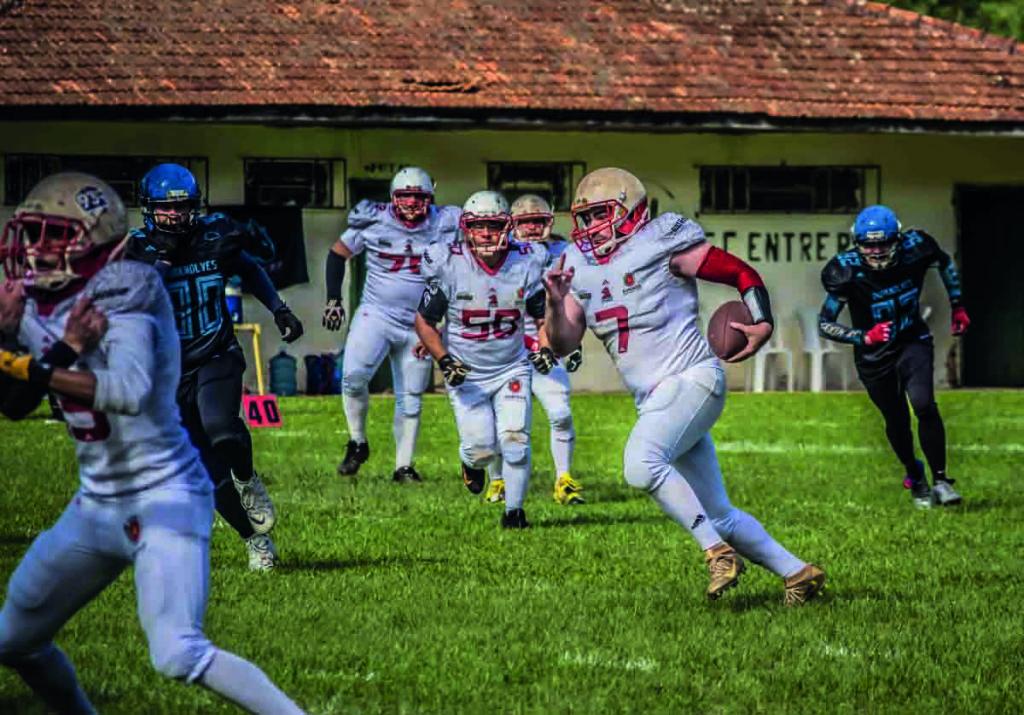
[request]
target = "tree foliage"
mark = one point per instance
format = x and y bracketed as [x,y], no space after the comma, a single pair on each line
[1000,17]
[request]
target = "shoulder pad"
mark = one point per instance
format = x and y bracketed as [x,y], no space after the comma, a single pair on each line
[918,243]
[365,213]
[448,218]
[125,286]
[839,271]
[677,230]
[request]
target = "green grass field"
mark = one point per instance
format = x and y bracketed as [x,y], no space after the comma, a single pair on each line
[410,599]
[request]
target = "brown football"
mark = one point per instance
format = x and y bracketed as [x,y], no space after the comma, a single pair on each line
[725,340]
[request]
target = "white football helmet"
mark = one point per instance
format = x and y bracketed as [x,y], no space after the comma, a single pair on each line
[485,223]
[412,192]
[532,218]
[65,229]
[609,207]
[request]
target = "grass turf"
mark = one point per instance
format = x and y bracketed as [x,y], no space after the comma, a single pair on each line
[409,598]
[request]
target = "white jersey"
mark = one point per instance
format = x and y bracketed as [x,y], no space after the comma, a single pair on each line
[644,314]
[394,252]
[547,254]
[131,438]
[487,308]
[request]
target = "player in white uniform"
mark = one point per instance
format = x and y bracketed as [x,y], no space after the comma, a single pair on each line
[101,335]
[532,220]
[632,281]
[394,236]
[486,290]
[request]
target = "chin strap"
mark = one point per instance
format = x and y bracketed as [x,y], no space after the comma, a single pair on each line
[722,267]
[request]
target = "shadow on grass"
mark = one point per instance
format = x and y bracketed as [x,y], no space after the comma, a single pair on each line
[597,520]
[314,565]
[16,539]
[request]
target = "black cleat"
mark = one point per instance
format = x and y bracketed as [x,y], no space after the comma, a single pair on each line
[409,473]
[515,519]
[473,479]
[355,454]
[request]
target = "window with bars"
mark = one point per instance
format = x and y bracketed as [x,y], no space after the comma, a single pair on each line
[123,173]
[302,183]
[554,181]
[788,189]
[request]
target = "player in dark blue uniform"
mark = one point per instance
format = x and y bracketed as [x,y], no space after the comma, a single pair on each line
[196,255]
[880,279]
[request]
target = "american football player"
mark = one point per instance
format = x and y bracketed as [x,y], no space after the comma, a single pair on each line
[101,335]
[881,279]
[633,282]
[485,289]
[532,220]
[395,236]
[197,254]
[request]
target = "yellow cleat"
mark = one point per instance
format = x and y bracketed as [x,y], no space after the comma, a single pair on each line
[568,490]
[495,491]
[804,585]
[724,569]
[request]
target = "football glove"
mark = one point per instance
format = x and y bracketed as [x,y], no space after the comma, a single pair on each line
[334,315]
[288,324]
[573,360]
[454,370]
[880,333]
[543,360]
[960,320]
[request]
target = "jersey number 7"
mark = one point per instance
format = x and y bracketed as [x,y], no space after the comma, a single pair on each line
[621,316]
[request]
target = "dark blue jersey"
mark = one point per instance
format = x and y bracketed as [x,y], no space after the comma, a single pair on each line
[196,268]
[878,296]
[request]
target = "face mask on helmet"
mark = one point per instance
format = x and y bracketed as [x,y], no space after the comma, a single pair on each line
[876,233]
[175,217]
[170,199]
[601,226]
[411,207]
[487,235]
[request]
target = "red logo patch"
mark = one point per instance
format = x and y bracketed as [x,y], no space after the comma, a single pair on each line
[492,301]
[133,530]
[628,279]
[515,386]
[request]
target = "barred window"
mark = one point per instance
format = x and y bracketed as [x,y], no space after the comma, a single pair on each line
[554,181]
[302,183]
[788,189]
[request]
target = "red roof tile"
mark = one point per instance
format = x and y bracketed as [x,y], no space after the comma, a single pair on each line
[774,59]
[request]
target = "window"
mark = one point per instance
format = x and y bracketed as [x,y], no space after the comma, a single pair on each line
[123,173]
[553,181]
[788,189]
[303,183]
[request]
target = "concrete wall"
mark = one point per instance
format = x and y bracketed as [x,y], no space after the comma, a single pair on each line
[918,174]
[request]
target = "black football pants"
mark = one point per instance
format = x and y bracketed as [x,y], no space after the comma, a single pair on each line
[911,377]
[209,398]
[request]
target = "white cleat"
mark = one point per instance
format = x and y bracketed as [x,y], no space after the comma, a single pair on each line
[943,494]
[262,554]
[256,503]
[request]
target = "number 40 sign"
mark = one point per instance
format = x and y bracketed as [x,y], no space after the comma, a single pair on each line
[261,410]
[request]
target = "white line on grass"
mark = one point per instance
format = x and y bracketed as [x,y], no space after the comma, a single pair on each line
[594,659]
[746,447]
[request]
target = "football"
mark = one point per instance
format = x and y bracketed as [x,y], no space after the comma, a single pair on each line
[725,340]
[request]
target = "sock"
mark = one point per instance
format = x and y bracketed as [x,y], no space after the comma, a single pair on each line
[932,433]
[676,498]
[494,469]
[51,676]
[237,454]
[356,407]
[245,685]
[229,506]
[745,534]
[563,442]
[517,479]
[406,430]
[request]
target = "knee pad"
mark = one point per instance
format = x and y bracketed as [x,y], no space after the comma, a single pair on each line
[561,422]
[477,456]
[226,429]
[926,411]
[515,447]
[355,383]
[180,654]
[409,405]
[644,468]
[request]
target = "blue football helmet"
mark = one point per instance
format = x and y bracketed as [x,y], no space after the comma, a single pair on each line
[876,233]
[170,199]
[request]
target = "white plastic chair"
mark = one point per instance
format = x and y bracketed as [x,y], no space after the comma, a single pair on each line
[762,362]
[818,349]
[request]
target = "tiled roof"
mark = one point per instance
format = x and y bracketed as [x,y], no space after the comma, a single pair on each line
[775,59]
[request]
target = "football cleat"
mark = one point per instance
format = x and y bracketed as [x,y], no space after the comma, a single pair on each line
[921,493]
[355,454]
[804,585]
[407,474]
[257,504]
[495,491]
[943,493]
[473,478]
[724,569]
[515,519]
[568,490]
[262,554]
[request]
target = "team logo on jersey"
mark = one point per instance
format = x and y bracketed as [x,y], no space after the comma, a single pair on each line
[629,280]
[463,295]
[606,292]
[584,295]
[386,243]
[520,293]
[515,386]
[132,529]
[492,300]
[408,246]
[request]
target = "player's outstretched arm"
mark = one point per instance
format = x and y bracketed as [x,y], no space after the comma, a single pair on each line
[711,263]
[256,278]
[564,321]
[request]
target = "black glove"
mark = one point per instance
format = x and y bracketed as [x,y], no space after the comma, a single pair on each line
[334,315]
[543,360]
[573,360]
[454,370]
[288,324]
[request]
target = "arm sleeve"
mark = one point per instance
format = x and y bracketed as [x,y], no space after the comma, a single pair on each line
[335,275]
[833,279]
[125,382]
[258,281]
[950,276]
[535,305]
[19,399]
[722,267]
[434,303]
